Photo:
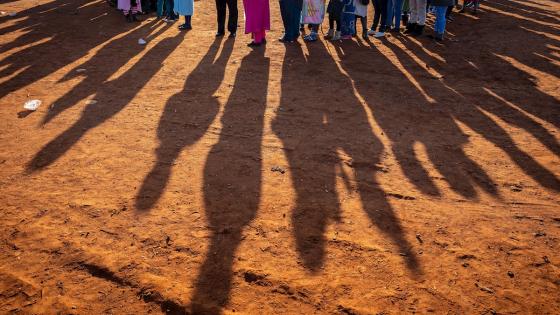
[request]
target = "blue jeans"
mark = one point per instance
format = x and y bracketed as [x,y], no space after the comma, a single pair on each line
[439,27]
[394,10]
[165,7]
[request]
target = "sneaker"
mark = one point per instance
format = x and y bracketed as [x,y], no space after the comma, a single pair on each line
[346,37]
[330,34]
[231,35]
[219,34]
[336,36]
[312,37]
[379,34]
[371,32]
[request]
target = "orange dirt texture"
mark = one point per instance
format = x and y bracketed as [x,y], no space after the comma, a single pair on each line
[197,175]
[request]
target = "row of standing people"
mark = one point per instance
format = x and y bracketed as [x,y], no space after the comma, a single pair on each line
[343,16]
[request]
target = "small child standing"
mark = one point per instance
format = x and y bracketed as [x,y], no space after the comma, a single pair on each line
[360,12]
[185,8]
[335,13]
[348,19]
[130,8]
[313,13]
[440,8]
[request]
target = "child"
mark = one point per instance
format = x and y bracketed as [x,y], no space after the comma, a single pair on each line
[130,8]
[257,20]
[417,21]
[185,8]
[348,19]
[360,12]
[440,8]
[313,13]
[165,7]
[380,7]
[394,9]
[335,13]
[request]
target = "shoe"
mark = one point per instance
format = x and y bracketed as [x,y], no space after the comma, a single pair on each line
[395,30]
[418,31]
[185,27]
[345,37]
[379,34]
[312,37]
[231,35]
[253,44]
[410,28]
[219,34]
[365,35]
[371,32]
[336,35]
[330,34]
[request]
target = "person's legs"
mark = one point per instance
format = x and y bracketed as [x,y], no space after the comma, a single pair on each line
[376,14]
[160,7]
[397,12]
[258,36]
[439,26]
[420,17]
[170,12]
[389,12]
[284,16]
[384,21]
[233,16]
[295,16]
[221,16]
[363,21]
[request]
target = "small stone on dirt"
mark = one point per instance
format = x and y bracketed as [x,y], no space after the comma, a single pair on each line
[278,169]
[419,238]
[510,274]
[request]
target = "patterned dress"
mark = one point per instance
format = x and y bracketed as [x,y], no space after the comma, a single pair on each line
[126,6]
[313,12]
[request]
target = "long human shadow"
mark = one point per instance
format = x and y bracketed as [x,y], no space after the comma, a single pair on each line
[323,126]
[107,61]
[129,84]
[54,34]
[232,181]
[185,119]
[408,118]
[471,106]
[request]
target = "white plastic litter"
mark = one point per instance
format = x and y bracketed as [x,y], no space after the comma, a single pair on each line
[141,41]
[12,14]
[81,70]
[32,104]
[91,102]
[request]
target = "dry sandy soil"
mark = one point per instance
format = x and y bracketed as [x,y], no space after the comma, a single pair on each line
[195,175]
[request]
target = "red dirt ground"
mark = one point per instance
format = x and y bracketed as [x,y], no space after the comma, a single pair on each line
[361,177]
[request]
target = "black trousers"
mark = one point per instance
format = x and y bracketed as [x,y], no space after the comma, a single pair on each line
[233,15]
[380,13]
